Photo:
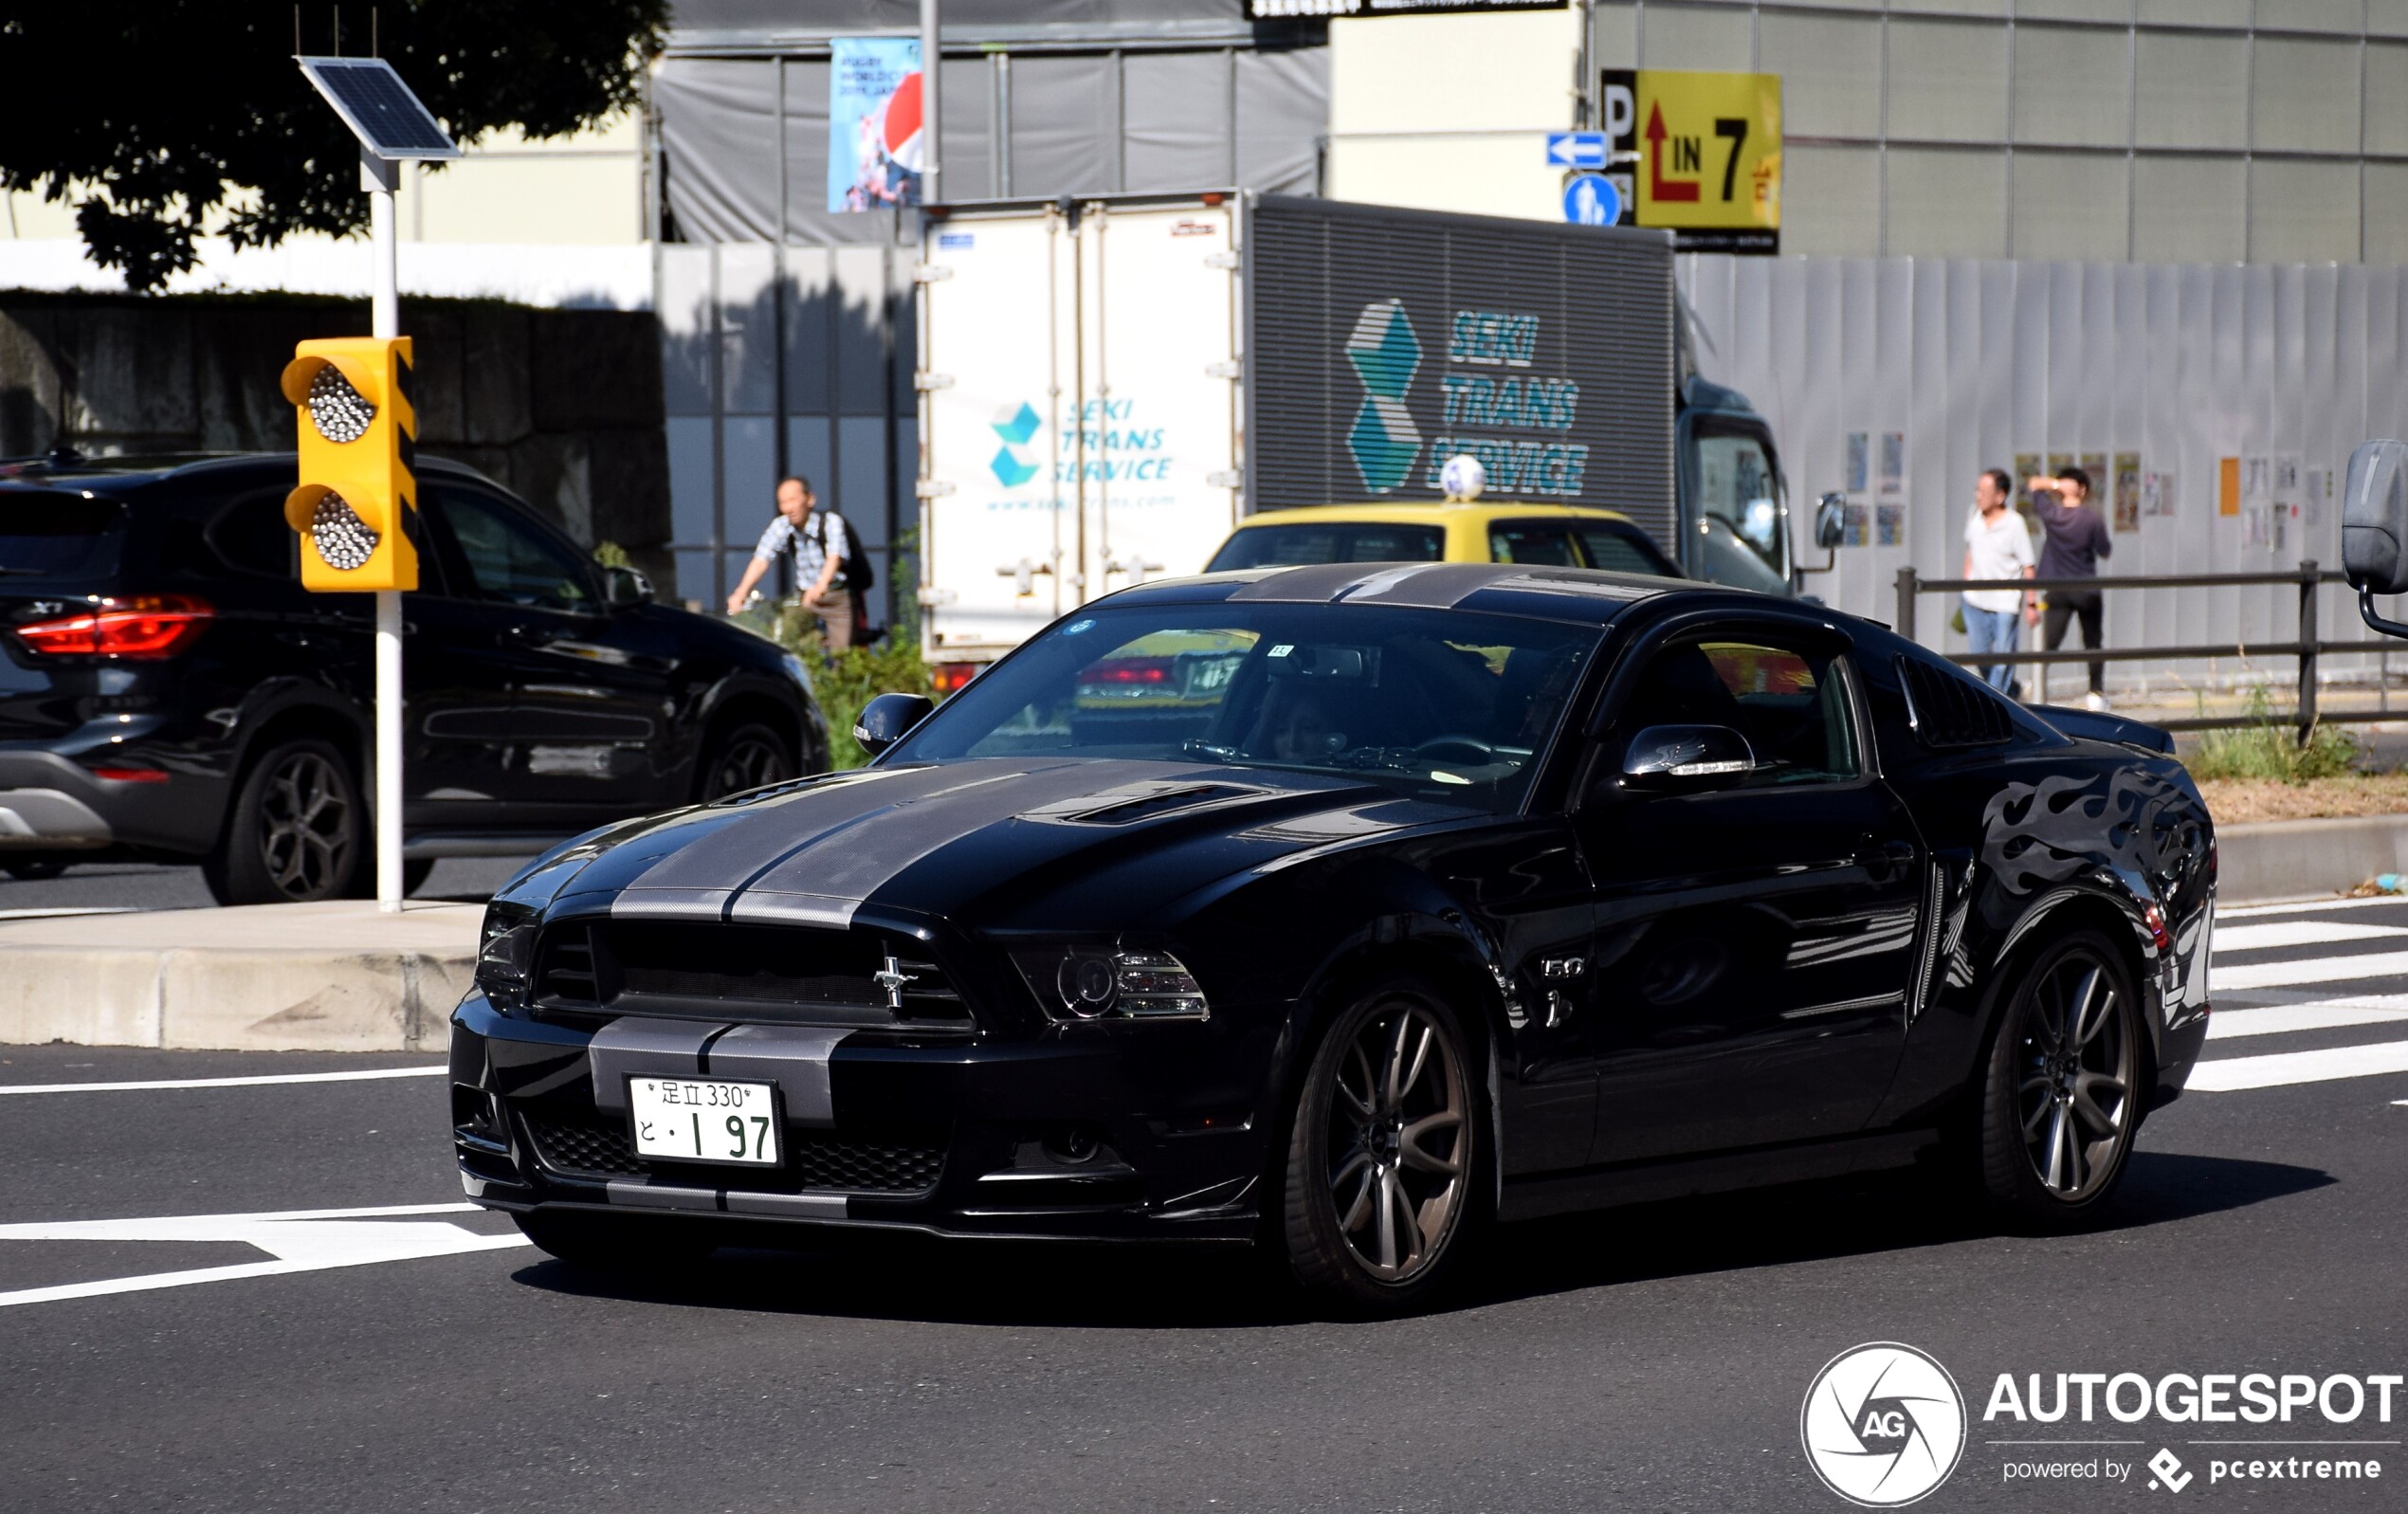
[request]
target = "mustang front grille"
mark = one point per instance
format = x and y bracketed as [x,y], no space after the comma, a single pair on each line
[794,975]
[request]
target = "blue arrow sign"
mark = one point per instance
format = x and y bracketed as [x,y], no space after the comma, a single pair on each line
[1577,148]
[1590,199]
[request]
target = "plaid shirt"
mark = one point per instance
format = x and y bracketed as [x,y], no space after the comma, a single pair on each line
[810,554]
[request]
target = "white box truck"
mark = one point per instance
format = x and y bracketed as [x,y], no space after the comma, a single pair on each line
[1108,384]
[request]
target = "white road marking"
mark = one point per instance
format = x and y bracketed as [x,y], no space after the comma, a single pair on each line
[2305,906]
[2283,1067]
[2297,933]
[2315,970]
[54,914]
[221,1083]
[2322,1015]
[299,1240]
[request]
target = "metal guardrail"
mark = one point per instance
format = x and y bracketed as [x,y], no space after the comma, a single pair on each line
[2306,649]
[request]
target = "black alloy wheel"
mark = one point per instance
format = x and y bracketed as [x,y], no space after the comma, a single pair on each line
[2063,1101]
[296,831]
[746,757]
[1383,1171]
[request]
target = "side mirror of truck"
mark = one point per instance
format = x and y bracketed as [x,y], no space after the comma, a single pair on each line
[1831,528]
[2374,528]
[888,718]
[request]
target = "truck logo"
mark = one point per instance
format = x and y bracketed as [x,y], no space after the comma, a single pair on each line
[1385,354]
[1016,427]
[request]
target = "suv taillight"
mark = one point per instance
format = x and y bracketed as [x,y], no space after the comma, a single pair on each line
[147,627]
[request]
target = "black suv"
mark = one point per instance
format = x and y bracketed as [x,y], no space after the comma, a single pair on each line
[167,686]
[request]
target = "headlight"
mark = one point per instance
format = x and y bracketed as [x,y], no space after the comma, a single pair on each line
[505,949]
[1119,983]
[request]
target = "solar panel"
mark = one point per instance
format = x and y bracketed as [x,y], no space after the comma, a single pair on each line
[378,107]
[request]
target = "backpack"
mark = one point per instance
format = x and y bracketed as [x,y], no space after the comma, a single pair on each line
[857,575]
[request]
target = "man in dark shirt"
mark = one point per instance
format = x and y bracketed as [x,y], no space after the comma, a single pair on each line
[2077,538]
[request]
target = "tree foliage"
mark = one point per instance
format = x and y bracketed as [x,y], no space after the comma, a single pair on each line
[165,117]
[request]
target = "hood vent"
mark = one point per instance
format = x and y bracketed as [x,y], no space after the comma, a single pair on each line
[1141,801]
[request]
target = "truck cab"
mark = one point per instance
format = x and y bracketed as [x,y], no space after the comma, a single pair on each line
[1734,521]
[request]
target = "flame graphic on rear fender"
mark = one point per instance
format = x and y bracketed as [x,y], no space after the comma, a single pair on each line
[2036,834]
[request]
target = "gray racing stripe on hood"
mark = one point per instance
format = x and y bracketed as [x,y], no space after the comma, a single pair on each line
[824,879]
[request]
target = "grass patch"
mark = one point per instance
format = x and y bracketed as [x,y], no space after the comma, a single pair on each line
[2264,752]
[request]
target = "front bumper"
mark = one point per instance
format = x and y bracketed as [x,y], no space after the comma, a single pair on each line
[1064,1136]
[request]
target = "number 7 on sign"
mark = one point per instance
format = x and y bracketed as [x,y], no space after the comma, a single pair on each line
[1735,128]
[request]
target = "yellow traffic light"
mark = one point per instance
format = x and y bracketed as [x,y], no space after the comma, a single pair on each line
[358,463]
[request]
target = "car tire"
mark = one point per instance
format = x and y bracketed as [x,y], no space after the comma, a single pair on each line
[298,829]
[1383,1188]
[625,1244]
[745,755]
[2064,1086]
[34,870]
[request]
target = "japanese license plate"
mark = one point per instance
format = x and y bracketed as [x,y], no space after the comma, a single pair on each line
[703,1119]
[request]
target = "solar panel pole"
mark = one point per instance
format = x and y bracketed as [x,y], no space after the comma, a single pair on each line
[380,177]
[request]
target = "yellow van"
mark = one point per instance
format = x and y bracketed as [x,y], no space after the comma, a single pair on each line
[1554,536]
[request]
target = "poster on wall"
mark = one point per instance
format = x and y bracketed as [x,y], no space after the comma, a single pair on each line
[1890,525]
[875,149]
[1856,471]
[2128,491]
[2156,493]
[2315,493]
[2228,485]
[2026,465]
[1855,537]
[1893,461]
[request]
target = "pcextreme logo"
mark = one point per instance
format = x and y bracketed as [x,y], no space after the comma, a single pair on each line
[1385,354]
[1015,427]
[1883,1424]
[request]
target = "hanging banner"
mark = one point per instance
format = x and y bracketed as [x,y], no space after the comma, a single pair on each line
[875,148]
[1704,155]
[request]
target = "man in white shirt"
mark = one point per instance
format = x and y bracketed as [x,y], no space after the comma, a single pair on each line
[1997,546]
[820,544]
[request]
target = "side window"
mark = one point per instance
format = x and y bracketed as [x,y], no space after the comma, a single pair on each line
[1790,703]
[508,560]
[1540,543]
[1623,549]
[250,536]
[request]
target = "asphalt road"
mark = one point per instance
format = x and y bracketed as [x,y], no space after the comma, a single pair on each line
[1651,1358]
[159,885]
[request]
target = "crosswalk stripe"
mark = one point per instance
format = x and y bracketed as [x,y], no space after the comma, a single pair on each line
[2306,906]
[2279,1068]
[2277,1019]
[2246,976]
[2298,933]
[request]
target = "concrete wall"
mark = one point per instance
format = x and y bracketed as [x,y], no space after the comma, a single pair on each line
[561,405]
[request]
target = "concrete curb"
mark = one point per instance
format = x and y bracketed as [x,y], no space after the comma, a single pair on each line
[233,980]
[2303,859]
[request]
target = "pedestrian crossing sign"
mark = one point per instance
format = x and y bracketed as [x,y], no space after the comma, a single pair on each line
[1706,153]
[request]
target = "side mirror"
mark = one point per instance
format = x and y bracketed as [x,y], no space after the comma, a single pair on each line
[1686,758]
[2374,527]
[1830,529]
[888,718]
[623,587]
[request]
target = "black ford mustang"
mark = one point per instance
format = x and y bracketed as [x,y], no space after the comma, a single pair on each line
[1346,910]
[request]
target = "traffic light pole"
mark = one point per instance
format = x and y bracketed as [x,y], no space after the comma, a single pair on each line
[380,177]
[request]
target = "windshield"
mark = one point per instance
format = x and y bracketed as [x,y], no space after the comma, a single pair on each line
[1285,546]
[1439,704]
[1735,487]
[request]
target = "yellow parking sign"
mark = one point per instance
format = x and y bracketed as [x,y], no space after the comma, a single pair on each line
[1704,151]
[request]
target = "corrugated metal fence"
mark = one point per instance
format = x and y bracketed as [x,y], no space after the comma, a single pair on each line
[2160,372]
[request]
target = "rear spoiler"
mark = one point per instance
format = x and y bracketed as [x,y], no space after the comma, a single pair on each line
[2096,726]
